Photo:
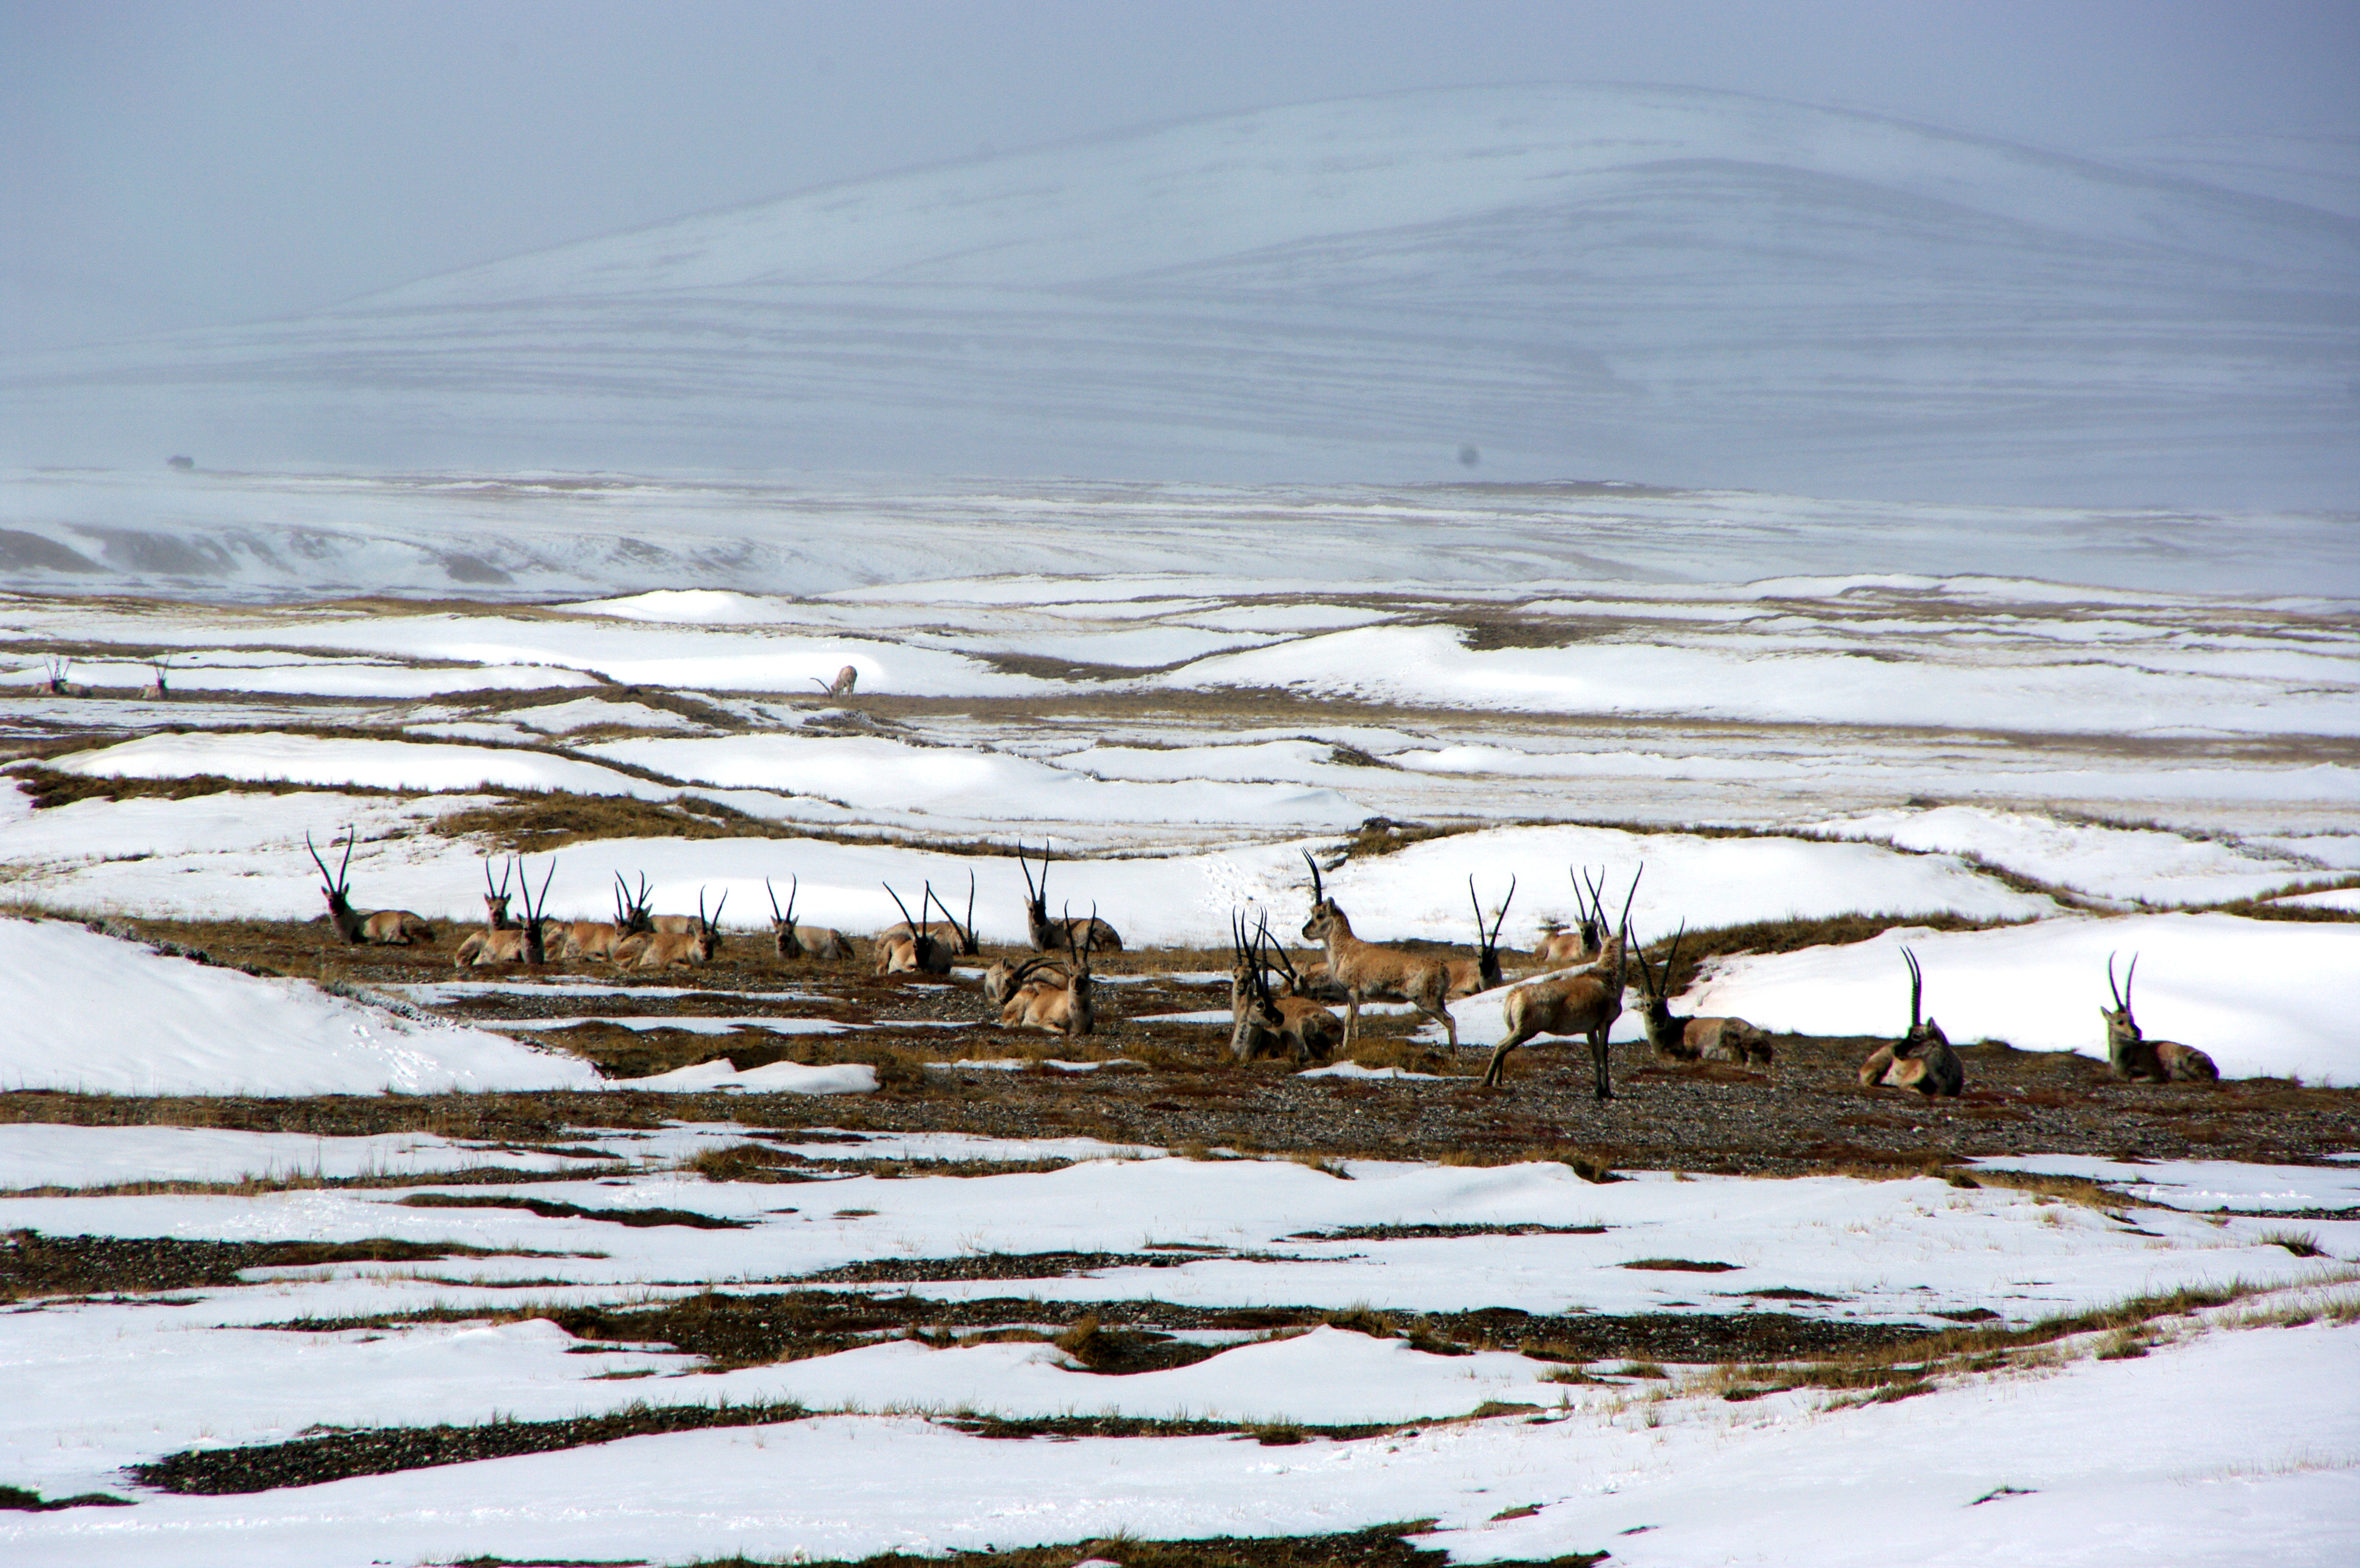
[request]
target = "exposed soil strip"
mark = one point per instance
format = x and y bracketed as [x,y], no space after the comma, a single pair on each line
[1437,1232]
[33,1265]
[550,1209]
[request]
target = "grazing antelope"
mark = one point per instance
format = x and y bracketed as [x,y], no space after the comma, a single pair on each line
[526,941]
[1481,973]
[1069,1009]
[1560,948]
[913,947]
[599,939]
[1694,1039]
[385,928]
[1586,1003]
[1047,935]
[842,685]
[1260,1018]
[1922,1059]
[803,941]
[2137,1058]
[1366,970]
[664,949]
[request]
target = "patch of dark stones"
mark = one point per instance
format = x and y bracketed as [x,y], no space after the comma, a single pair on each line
[33,1265]
[550,1209]
[1440,1232]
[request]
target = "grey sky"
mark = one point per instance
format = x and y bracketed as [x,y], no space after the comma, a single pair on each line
[178,165]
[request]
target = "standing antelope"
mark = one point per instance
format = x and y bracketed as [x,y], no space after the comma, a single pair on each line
[803,941]
[911,947]
[1922,1059]
[1583,1004]
[663,949]
[1695,1038]
[527,941]
[599,939]
[1047,935]
[2137,1058]
[1070,1010]
[1367,971]
[385,928]
[842,686]
[1481,973]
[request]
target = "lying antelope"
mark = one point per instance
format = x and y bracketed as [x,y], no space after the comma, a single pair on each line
[527,941]
[57,684]
[666,950]
[911,947]
[1481,973]
[1586,1003]
[803,941]
[1561,949]
[1069,1009]
[2137,1058]
[1261,1019]
[1367,970]
[599,939]
[1695,1038]
[1922,1059]
[1047,935]
[963,943]
[385,928]
[495,917]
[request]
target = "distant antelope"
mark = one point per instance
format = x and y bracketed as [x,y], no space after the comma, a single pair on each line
[495,917]
[385,928]
[1560,948]
[1047,935]
[913,948]
[527,941]
[58,669]
[842,685]
[599,939]
[1922,1059]
[1695,1038]
[663,949]
[1260,1018]
[1070,1010]
[1366,970]
[1481,973]
[2137,1059]
[803,941]
[162,690]
[1586,1003]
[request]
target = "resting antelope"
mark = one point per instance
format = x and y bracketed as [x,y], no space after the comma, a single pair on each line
[58,669]
[1366,970]
[1586,1003]
[1695,1038]
[1260,1018]
[528,942]
[1481,973]
[1922,1059]
[2137,1059]
[911,947]
[1069,1009]
[1047,935]
[599,939]
[495,917]
[385,928]
[803,941]
[663,949]
[1560,948]
[963,943]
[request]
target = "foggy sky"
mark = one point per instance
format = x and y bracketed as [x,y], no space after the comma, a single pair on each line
[178,165]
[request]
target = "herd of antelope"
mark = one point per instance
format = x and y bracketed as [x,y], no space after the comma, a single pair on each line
[1275,1007]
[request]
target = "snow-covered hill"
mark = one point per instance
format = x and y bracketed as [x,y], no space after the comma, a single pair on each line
[1668,284]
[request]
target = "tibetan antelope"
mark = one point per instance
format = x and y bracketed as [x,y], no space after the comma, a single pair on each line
[803,941]
[161,691]
[963,943]
[495,917]
[1260,1018]
[913,947]
[56,684]
[1481,973]
[385,928]
[527,941]
[1586,1003]
[1069,1009]
[2137,1058]
[664,949]
[1694,1039]
[1047,935]
[845,679]
[1560,948]
[1367,971]
[599,939]
[1922,1059]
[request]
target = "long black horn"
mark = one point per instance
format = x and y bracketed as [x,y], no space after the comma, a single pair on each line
[2111,986]
[1318,893]
[900,906]
[793,887]
[966,937]
[317,861]
[776,917]
[2129,980]
[1030,896]
[346,863]
[1916,986]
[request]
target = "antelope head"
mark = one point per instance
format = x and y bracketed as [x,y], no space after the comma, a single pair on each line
[1323,908]
[2120,1025]
[708,928]
[534,909]
[1487,958]
[1926,1033]
[334,885]
[496,900]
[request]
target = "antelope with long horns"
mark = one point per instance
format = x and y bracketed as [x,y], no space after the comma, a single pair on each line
[802,940]
[963,943]
[1070,1010]
[1922,1059]
[1678,1039]
[1368,972]
[845,679]
[599,939]
[1586,1003]
[2137,1058]
[1260,1018]
[495,917]
[1560,948]
[385,928]
[667,949]
[527,941]
[911,947]
[1047,935]
[1481,973]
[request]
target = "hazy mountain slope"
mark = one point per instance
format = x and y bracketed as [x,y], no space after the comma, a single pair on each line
[1670,285]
